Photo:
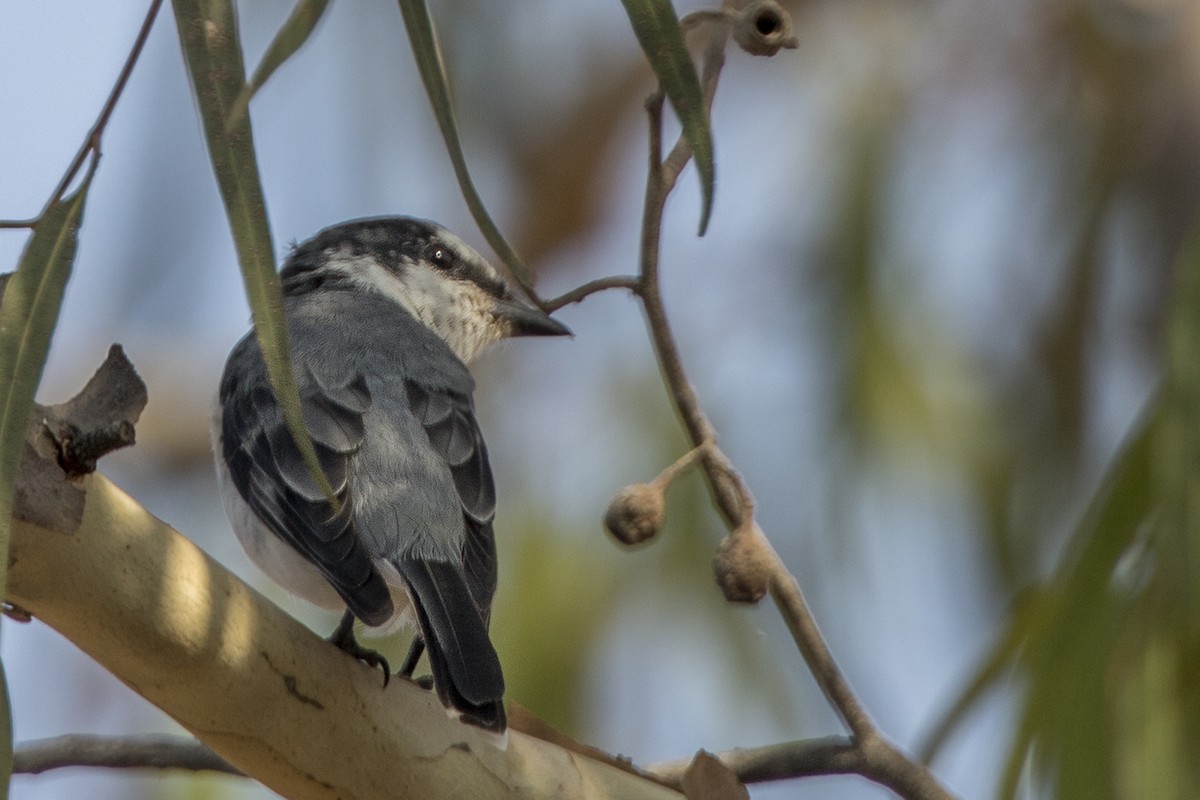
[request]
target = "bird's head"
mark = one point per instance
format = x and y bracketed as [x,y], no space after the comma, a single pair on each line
[424,268]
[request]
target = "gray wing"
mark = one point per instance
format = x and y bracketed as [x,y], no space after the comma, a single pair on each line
[449,419]
[453,602]
[269,473]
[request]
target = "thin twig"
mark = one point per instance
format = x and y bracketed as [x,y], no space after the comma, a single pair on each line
[659,182]
[600,284]
[717,16]
[91,143]
[785,591]
[868,752]
[729,491]
[682,464]
[153,751]
[732,495]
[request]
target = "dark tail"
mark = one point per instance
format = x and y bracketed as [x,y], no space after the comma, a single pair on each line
[466,669]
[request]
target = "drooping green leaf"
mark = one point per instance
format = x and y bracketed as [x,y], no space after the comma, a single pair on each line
[1068,704]
[290,38]
[28,315]
[1112,698]
[1155,753]
[6,735]
[433,75]
[658,32]
[998,662]
[1159,731]
[1179,446]
[1063,642]
[1068,662]
[209,35]
[29,308]
[1113,520]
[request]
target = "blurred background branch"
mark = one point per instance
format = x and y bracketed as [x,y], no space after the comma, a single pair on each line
[152,751]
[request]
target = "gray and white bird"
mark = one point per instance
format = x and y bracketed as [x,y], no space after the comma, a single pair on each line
[383,316]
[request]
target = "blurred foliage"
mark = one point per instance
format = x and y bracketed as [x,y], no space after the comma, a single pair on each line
[1101,646]
[1107,651]
[201,787]
[547,629]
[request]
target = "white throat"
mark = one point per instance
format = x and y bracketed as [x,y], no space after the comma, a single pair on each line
[458,312]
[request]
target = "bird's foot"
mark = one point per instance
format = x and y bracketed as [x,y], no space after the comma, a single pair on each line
[343,637]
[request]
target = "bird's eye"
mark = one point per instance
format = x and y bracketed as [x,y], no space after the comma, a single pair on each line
[439,257]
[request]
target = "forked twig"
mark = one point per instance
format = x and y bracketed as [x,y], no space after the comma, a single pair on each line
[867,752]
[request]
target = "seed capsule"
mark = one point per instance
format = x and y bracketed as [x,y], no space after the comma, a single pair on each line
[636,513]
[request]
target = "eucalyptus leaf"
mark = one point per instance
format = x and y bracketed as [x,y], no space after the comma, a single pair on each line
[290,38]
[1068,660]
[658,32]
[1108,678]
[6,735]
[433,75]
[1065,639]
[28,316]
[1022,625]
[1159,730]
[1178,458]
[209,35]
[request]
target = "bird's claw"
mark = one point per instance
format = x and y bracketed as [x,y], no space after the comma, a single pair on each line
[343,637]
[372,659]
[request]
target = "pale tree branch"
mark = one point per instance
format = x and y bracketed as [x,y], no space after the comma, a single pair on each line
[169,751]
[262,691]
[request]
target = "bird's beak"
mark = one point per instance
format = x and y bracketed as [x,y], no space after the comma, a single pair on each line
[525,320]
